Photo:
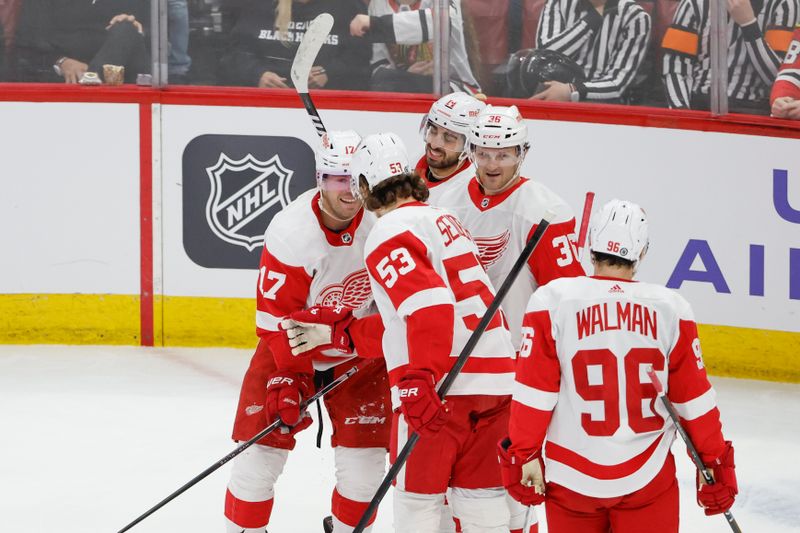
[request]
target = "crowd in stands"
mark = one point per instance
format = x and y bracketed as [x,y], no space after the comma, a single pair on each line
[635,52]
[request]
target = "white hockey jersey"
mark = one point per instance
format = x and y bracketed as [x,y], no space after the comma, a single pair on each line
[581,381]
[437,188]
[303,263]
[431,292]
[412,29]
[501,226]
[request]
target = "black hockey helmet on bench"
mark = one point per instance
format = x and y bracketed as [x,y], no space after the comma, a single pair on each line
[528,69]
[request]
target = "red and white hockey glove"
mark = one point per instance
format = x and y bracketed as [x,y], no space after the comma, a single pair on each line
[523,479]
[285,392]
[319,327]
[424,412]
[718,498]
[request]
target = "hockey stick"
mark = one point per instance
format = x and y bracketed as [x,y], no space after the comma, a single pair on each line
[444,388]
[263,433]
[314,38]
[673,414]
[587,214]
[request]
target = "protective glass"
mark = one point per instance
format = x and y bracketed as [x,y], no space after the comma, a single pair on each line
[495,156]
[335,182]
[442,138]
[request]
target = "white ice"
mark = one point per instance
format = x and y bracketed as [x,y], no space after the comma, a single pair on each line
[94,436]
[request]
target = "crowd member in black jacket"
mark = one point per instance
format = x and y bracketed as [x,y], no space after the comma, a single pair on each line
[268,32]
[60,40]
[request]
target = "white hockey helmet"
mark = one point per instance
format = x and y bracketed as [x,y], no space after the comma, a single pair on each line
[379,156]
[620,229]
[335,153]
[456,112]
[499,127]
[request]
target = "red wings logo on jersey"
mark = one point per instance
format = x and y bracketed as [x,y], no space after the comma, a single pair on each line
[490,249]
[354,292]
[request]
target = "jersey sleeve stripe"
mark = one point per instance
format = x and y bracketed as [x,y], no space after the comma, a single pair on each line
[267,321]
[533,397]
[423,299]
[557,453]
[489,384]
[697,407]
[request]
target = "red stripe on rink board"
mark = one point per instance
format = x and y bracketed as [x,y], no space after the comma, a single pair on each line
[652,117]
[580,463]
[146,223]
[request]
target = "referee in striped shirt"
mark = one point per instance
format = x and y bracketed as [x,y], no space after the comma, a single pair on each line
[607,38]
[759,33]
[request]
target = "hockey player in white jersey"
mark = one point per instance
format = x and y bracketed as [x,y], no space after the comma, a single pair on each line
[582,398]
[313,255]
[445,164]
[431,292]
[501,210]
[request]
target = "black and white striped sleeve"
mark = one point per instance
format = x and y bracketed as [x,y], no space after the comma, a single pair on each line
[554,33]
[680,46]
[764,47]
[625,59]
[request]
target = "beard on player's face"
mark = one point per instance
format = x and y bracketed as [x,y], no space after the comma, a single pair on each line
[440,158]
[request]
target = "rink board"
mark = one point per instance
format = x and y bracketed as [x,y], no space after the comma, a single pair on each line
[724,210]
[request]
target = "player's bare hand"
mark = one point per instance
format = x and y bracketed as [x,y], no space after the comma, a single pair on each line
[359,25]
[555,91]
[533,476]
[72,70]
[423,68]
[317,78]
[741,12]
[786,107]
[124,17]
[271,80]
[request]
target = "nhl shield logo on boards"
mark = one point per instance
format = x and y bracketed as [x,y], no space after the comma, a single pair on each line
[232,186]
[241,190]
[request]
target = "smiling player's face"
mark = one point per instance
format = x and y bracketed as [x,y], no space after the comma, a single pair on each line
[337,197]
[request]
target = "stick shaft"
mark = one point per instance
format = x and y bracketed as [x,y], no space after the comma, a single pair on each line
[313,113]
[402,456]
[587,214]
[698,462]
[242,447]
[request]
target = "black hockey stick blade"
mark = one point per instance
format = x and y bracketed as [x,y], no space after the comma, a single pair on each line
[444,388]
[315,36]
[242,447]
[698,462]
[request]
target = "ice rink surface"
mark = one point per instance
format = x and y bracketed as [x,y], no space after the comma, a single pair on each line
[93,436]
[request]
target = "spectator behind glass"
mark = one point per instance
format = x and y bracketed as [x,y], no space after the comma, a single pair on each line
[786,90]
[268,32]
[608,38]
[402,56]
[60,40]
[178,35]
[759,33]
